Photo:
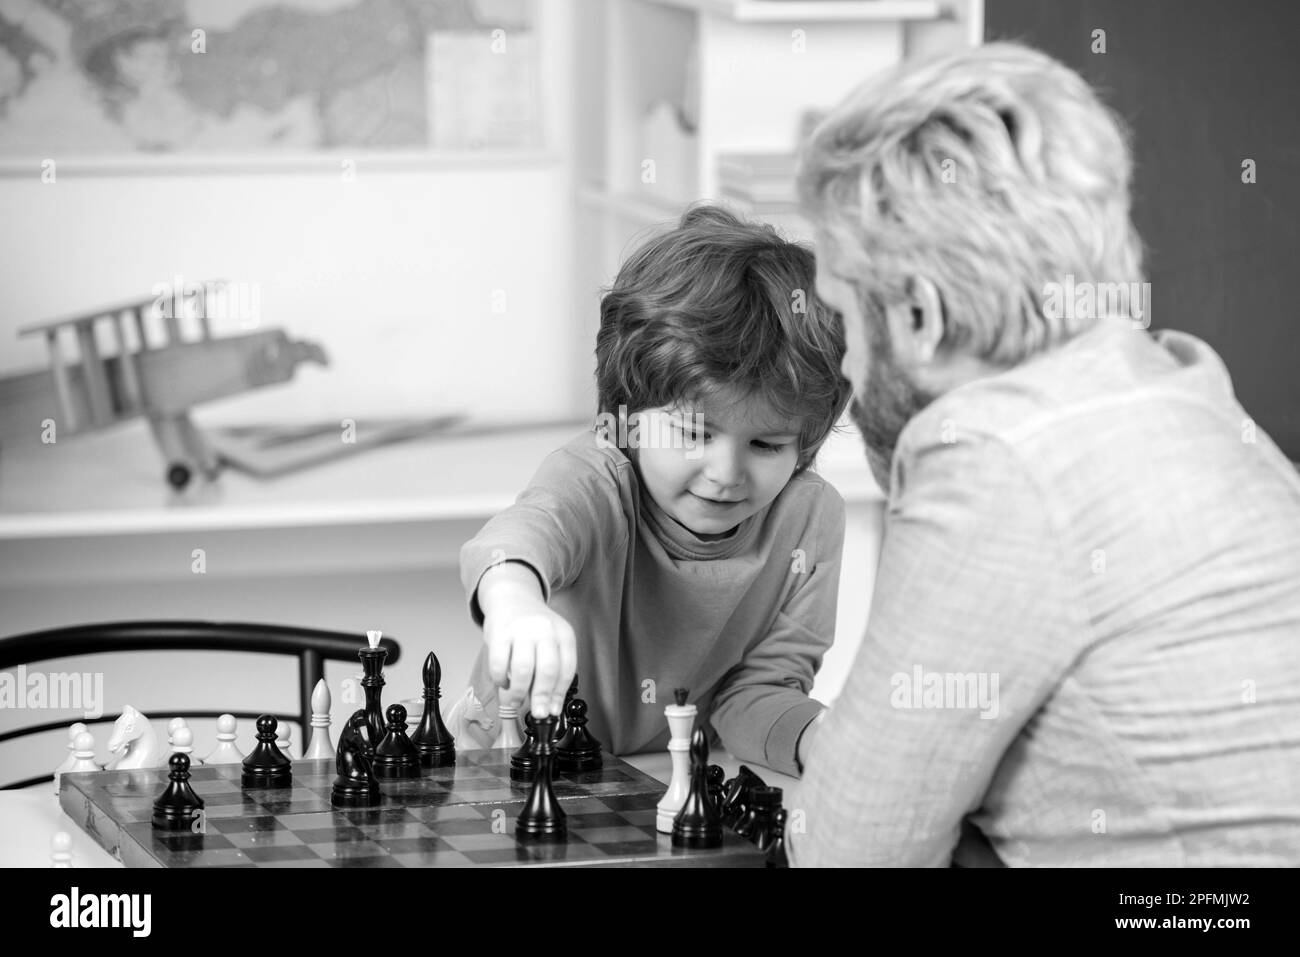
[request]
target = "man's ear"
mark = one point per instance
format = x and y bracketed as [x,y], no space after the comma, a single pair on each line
[916,323]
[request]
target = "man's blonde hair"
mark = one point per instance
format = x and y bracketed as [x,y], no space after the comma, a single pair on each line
[991,172]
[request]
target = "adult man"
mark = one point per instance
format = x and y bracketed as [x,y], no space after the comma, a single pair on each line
[1086,626]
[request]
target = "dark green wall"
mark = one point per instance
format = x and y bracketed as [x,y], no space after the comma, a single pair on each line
[1203,85]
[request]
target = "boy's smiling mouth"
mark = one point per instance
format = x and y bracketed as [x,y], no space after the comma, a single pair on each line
[718,502]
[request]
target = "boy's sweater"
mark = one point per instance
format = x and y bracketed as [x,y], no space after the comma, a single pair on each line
[742,622]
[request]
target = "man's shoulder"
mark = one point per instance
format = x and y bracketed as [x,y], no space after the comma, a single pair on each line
[1109,372]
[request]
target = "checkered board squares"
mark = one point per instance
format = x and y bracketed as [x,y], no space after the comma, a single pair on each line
[458,816]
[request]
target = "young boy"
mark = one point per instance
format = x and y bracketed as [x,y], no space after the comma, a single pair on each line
[683,542]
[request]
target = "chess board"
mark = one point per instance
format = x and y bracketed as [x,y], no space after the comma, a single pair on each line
[456,816]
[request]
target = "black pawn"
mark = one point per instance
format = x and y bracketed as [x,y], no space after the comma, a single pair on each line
[562,726]
[178,807]
[577,750]
[523,763]
[542,818]
[697,824]
[355,785]
[437,745]
[715,777]
[396,757]
[776,856]
[266,766]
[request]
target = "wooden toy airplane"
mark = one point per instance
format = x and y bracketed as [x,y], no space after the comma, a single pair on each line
[161,381]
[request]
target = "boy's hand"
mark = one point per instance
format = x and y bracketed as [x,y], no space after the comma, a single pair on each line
[529,645]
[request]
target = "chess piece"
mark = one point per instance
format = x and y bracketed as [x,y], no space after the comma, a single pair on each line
[681,721]
[435,743]
[355,785]
[523,763]
[542,818]
[737,795]
[61,848]
[697,824]
[508,717]
[562,726]
[182,743]
[395,756]
[134,742]
[714,778]
[225,752]
[266,767]
[464,716]
[320,746]
[83,754]
[578,750]
[758,825]
[776,856]
[178,808]
[172,726]
[71,757]
[372,683]
[283,741]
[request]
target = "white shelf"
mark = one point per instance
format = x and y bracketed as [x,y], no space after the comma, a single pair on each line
[110,483]
[807,11]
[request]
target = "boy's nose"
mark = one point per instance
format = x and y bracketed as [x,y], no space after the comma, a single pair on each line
[723,465]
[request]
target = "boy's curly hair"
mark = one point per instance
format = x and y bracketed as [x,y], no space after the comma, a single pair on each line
[719,306]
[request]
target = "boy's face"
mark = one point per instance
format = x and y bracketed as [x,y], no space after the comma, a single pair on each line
[711,467]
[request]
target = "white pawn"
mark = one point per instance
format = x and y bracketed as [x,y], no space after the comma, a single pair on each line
[172,726]
[85,754]
[320,746]
[61,849]
[282,740]
[73,731]
[183,743]
[225,752]
[508,715]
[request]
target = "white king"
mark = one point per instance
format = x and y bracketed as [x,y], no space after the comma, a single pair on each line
[681,722]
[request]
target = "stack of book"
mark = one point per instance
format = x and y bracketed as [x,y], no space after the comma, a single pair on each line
[761,180]
[761,186]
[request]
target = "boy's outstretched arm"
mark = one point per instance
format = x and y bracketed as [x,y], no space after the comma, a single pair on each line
[763,712]
[522,555]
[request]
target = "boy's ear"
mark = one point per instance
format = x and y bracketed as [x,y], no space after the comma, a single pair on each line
[916,323]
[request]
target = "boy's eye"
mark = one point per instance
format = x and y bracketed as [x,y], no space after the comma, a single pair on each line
[769,446]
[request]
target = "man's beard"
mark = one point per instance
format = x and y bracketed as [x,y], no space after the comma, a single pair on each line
[888,404]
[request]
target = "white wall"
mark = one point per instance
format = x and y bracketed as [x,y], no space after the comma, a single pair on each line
[393,272]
